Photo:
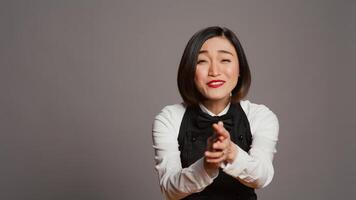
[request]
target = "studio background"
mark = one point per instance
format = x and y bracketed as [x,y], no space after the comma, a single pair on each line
[81,82]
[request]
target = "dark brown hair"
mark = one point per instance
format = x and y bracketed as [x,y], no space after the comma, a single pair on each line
[186,72]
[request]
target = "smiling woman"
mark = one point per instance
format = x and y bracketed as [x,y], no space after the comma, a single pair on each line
[214,145]
[217,67]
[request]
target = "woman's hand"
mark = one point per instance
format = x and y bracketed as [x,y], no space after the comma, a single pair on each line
[220,148]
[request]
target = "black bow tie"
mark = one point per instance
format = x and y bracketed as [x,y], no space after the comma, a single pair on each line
[204,120]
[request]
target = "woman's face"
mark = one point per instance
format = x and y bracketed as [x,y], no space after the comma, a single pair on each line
[217,69]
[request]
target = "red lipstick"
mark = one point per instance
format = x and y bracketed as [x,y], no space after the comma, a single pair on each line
[215,83]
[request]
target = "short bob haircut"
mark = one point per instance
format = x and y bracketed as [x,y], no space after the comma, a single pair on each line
[187,66]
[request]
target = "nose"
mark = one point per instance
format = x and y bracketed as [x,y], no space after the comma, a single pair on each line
[213,69]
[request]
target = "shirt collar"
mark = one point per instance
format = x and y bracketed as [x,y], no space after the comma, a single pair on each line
[223,112]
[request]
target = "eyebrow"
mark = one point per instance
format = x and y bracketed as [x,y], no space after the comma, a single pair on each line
[220,51]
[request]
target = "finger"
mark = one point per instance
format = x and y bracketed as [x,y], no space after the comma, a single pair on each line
[213,155]
[214,138]
[223,131]
[215,160]
[219,146]
[210,143]
[220,130]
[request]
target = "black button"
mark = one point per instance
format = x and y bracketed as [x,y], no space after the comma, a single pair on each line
[194,139]
[241,137]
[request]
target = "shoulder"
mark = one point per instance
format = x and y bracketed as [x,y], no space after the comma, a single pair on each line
[170,117]
[254,109]
[259,116]
[172,112]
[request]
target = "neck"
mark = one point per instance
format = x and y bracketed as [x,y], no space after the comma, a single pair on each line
[216,106]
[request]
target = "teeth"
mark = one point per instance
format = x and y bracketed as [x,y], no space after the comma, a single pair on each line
[215,83]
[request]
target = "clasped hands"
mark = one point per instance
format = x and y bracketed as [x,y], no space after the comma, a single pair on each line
[220,148]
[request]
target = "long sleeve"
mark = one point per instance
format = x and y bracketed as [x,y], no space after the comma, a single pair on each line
[254,168]
[175,182]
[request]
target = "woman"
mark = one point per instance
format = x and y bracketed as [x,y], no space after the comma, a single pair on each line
[214,145]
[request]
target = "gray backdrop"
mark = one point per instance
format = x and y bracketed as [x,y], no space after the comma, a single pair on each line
[81,82]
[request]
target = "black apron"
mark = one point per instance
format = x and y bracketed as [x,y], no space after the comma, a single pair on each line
[192,141]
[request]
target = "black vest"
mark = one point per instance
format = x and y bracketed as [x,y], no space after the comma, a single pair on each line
[192,144]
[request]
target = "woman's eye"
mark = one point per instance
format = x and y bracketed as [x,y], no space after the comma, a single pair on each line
[201,61]
[226,61]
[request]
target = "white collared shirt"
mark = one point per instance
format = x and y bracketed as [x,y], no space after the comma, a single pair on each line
[253,168]
[223,112]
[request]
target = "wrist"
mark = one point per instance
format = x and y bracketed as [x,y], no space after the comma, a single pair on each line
[232,153]
[211,169]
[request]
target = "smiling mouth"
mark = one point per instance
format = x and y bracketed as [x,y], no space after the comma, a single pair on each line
[215,83]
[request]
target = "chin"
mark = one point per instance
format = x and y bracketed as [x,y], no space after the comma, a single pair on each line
[216,97]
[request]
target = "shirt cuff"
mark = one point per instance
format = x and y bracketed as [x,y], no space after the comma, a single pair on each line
[239,164]
[207,177]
